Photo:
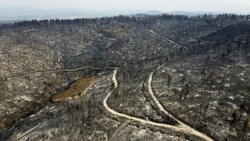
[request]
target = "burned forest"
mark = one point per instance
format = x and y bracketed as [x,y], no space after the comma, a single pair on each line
[140,77]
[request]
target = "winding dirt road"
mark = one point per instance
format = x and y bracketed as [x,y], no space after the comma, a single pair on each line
[182,125]
[179,128]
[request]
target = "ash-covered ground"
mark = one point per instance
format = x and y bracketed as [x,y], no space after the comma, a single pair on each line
[152,78]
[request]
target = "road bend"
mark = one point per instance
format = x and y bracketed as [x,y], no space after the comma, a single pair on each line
[182,125]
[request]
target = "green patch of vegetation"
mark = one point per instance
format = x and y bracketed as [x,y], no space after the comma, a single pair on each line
[75,89]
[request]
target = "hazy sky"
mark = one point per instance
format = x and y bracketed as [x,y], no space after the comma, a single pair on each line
[233,6]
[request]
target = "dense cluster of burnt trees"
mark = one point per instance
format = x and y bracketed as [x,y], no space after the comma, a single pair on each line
[234,37]
[139,19]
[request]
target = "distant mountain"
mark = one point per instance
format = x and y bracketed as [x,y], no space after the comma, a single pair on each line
[194,13]
[153,12]
[144,13]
